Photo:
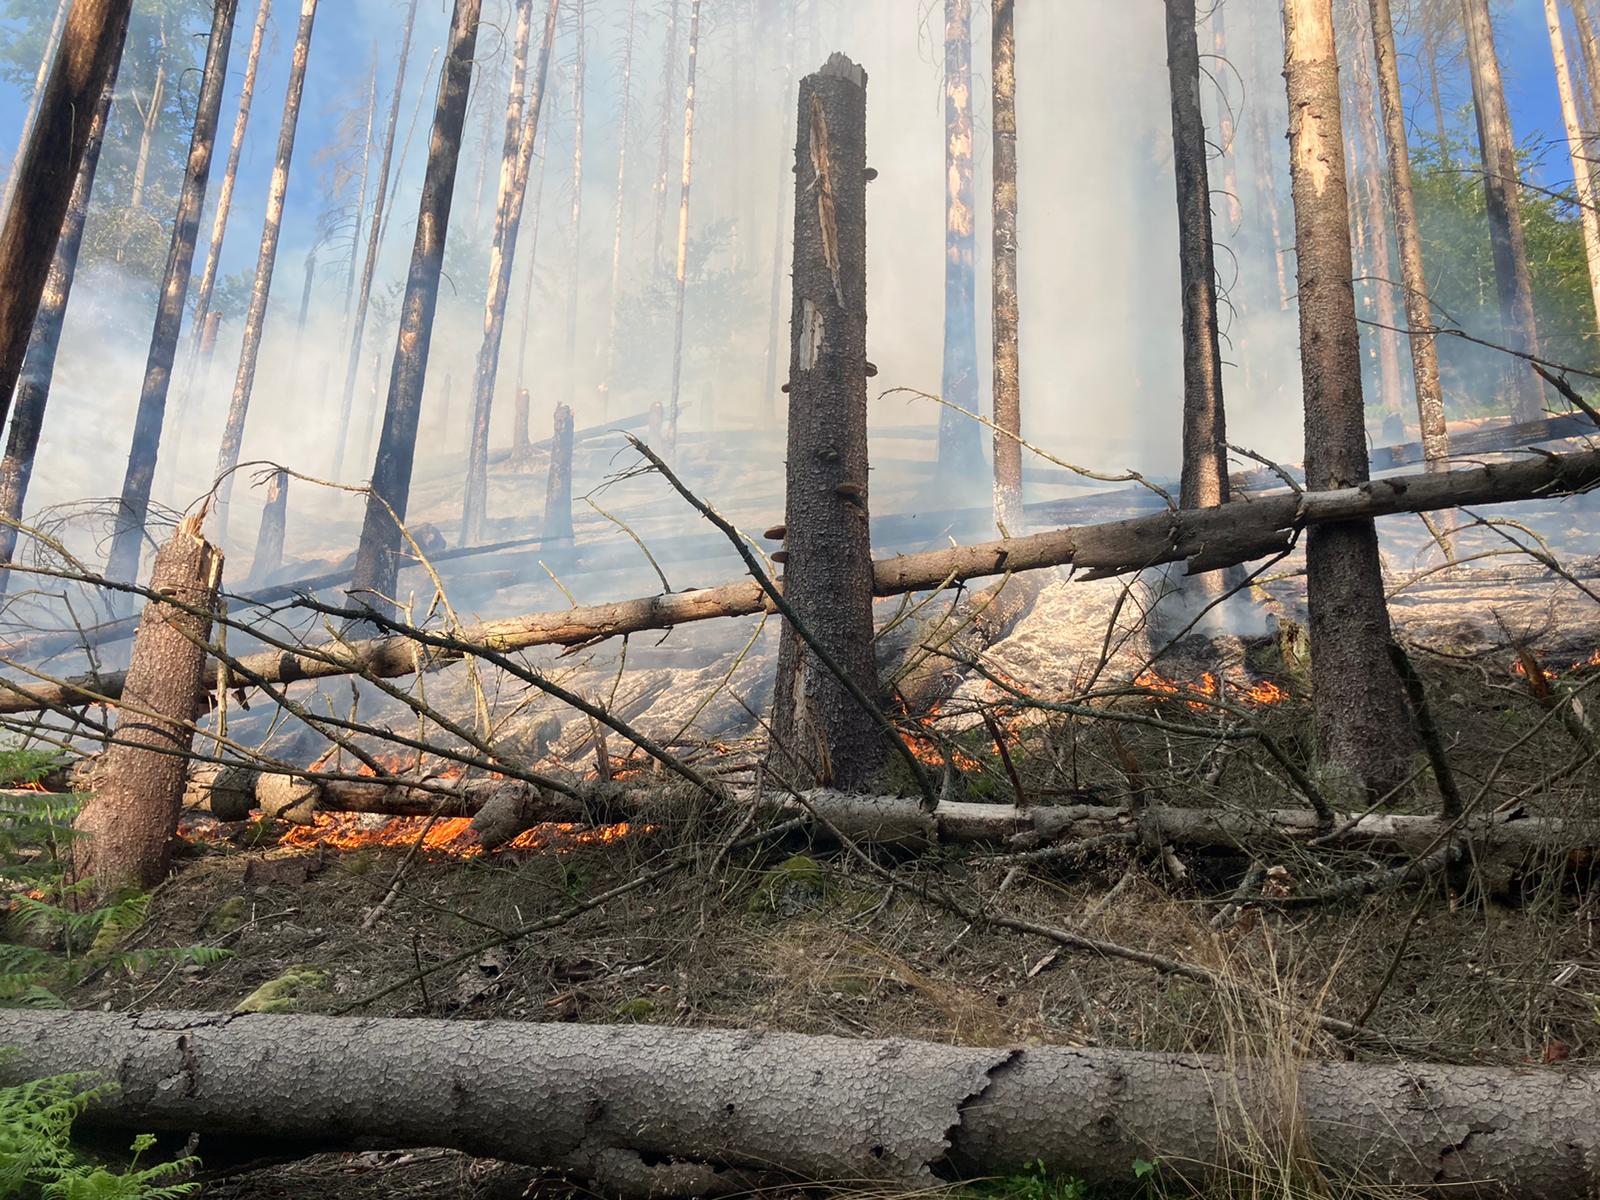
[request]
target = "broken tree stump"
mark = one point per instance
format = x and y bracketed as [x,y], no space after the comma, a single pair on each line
[269,541]
[520,443]
[130,818]
[558,483]
[820,733]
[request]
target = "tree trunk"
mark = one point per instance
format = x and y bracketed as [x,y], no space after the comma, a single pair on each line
[131,817]
[1205,452]
[669,78]
[1590,51]
[683,230]
[204,318]
[269,541]
[151,118]
[51,42]
[819,732]
[1419,314]
[1007,360]
[516,159]
[256,316]
[128,540]
[521,442]
[1582,183]
[90,49]
[1362,724]
[579,63]
[614,288]
[960,450]
[1502,196]
[558,482]
[372,582]
[374,243]
[541,153]
[1207,539]
[39,367]
[779,210]
[647,1110]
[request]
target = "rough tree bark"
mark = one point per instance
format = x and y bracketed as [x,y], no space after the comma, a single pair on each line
[1419,315]
[1007,360]
[516,159]
[128,539]
[1204,480]
[614,287]
[51,42]
[39,367]
[374,242]
[718,1111]
[88,54]
[1577,152]
[669,79]
[1362,724]
[269,540]
[256,316]
[1502,197]
[683,230]
[819,731]
[558,481]
[373,579]
[1207,539]
[960,450]
[130,818]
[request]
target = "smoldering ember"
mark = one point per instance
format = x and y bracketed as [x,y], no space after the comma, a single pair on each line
[821,598]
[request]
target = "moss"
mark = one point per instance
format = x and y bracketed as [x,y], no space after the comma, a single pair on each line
[285,993]
[227,916]
[795,884]
[640,1008]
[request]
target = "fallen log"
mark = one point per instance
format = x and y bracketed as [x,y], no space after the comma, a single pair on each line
[1207,539]
[646,1110]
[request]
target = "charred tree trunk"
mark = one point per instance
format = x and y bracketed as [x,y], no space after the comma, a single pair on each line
[1577,152]
[580,57]
[51,41]
[1419,315]
[1502,197]
[1205,452]
[129,821]
[1362,726]
[516,159]
[256,316]
[521,442]
[274,520]
[683,230]
[374,243]
[960,451]
[373,579]
[614,288]
[669,79]
[558,483]
[39,367]
[1007,359]
[820,733]
[779,211]
[90,49]
[127,541]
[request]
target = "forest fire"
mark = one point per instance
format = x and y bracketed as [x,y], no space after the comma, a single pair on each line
[1207,688]
[451,837]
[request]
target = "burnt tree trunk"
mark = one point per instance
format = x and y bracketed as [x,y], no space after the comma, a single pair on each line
[1502,197]
[1205,453]
[820,733]
[274,520]
[256,316]
[373,579]
[1362,726]
[558,482]
[614,287]
[90,49]
[1007,359]
[683,230]
[131,817]
[374,243]
[516,159]
[128,540]
[1419,316]
[39,367]
[960,450]
[51,41]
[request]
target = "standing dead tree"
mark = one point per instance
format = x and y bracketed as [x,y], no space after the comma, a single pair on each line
[132,815]
[376,568]
[669,79]
[88,54]
[274,521]
[516,159]
[558,482]
[256,316]
[1007,358]
[580,57]
[683,230]
[128,540]
[614,287]
[819,731]
[1363,730]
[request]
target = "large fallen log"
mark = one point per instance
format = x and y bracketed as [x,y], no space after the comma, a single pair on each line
[645,1110]
[1206,539]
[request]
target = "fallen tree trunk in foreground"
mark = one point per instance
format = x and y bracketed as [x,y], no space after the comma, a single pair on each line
[645,1110]
[1206,538]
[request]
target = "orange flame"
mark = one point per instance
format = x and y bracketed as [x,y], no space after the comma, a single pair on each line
[450,836]
[1207,688]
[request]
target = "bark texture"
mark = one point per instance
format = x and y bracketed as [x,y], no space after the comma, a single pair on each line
[128,540]
[710,1107]
[87,55]
[1205,462]
[372,581]
[819,730]
[129,821]
[558,483]
[1007,358]
[961,463]
[1362,725]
